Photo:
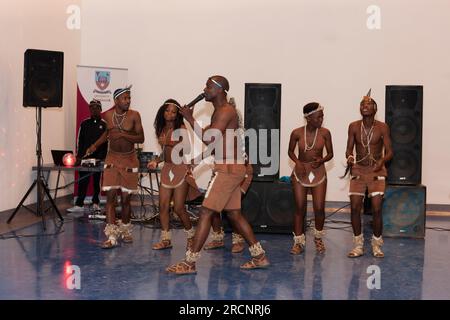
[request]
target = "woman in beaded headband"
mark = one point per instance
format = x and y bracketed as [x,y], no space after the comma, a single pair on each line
[177,182]
[309,174]
[169,106]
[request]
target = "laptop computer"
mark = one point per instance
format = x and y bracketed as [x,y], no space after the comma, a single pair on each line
[58,155]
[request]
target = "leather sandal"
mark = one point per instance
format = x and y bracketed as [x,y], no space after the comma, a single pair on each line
[320,246]
[182,268]
[215,244]
[256,263]
[297,248]
[108,244]
[237,247]
[127,238]
[163,244]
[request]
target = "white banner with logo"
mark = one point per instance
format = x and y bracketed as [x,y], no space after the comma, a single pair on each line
[97,83]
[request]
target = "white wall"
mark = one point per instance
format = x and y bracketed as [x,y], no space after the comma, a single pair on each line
[319,50]
[39,25]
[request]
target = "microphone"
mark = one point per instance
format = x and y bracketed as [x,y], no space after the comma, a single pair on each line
[201,96]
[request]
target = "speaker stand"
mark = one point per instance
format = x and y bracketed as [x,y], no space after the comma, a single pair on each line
[39,182]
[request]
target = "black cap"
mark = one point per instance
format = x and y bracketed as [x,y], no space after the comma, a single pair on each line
[95,102]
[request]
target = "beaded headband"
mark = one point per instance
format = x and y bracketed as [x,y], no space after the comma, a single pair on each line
[217,84]
[121,91]
[319,108]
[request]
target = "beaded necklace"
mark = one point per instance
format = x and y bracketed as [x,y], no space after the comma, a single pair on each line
[118,123]
[368,135]
[307,148]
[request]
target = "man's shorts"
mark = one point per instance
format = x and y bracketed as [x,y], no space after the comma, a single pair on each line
[121,171]
[364,178]
[224,190]
[248,178]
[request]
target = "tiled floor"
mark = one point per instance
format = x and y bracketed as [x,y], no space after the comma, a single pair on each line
[34,267]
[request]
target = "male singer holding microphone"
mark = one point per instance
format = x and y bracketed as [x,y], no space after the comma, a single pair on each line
[224,188]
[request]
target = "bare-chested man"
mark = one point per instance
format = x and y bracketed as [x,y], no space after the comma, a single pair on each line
[124,129]
[224,188]
[368,136]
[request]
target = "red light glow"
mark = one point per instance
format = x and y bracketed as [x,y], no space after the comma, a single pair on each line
[67,267]
[69,159]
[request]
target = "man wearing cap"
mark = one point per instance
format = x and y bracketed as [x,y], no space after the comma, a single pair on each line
[124,130]
[367,172]
[224,192]
[91,130]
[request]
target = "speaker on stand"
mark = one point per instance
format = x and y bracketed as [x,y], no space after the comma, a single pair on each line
[43,78]
[42,88]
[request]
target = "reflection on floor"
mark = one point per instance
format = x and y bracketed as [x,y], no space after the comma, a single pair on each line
[34,267]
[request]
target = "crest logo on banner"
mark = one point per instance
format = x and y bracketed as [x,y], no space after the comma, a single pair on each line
[102,79]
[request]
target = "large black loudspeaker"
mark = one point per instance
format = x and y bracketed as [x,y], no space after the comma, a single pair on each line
[269,207]
[43,78]
[263,111]
[404,109]
[403,211]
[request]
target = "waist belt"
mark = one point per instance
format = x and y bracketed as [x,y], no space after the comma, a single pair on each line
[127,169]
[374,178]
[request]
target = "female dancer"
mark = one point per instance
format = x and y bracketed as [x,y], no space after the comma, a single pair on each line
[309,174]
[176,179]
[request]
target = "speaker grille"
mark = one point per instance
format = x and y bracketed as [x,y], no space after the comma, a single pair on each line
[404,99]
[404,108]
[253,202]
[262,111]
[43,78]
[263,97]
[404,164]
[404,211]
[404,131]
[279,206]
[269,207]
